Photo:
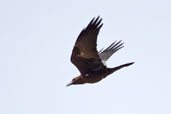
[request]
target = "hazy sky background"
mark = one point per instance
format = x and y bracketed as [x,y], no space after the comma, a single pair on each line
[36,40]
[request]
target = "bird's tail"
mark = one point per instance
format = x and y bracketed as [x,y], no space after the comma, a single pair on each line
[111,70]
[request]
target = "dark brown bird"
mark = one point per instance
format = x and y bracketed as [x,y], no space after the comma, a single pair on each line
[88,60]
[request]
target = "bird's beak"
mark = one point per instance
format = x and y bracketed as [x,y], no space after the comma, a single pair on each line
[69,84]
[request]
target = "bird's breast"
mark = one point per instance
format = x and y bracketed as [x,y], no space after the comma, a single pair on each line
[95,76]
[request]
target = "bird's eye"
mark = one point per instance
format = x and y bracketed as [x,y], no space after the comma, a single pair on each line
[73,79]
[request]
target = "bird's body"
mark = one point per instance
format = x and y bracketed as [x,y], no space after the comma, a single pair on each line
[88,60]
[93,77]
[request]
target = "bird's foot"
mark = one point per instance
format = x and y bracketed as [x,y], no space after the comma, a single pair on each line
[85,75]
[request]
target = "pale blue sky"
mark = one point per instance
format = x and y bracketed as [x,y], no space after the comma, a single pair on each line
[36,40]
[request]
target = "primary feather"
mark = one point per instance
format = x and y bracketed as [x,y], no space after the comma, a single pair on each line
[105,54]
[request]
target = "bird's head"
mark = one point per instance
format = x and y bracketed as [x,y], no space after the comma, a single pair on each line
[76,80]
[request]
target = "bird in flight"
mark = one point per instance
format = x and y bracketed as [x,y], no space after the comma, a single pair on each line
[89,61]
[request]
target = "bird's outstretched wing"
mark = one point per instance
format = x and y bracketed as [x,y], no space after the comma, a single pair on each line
[109,51]
[85,55]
